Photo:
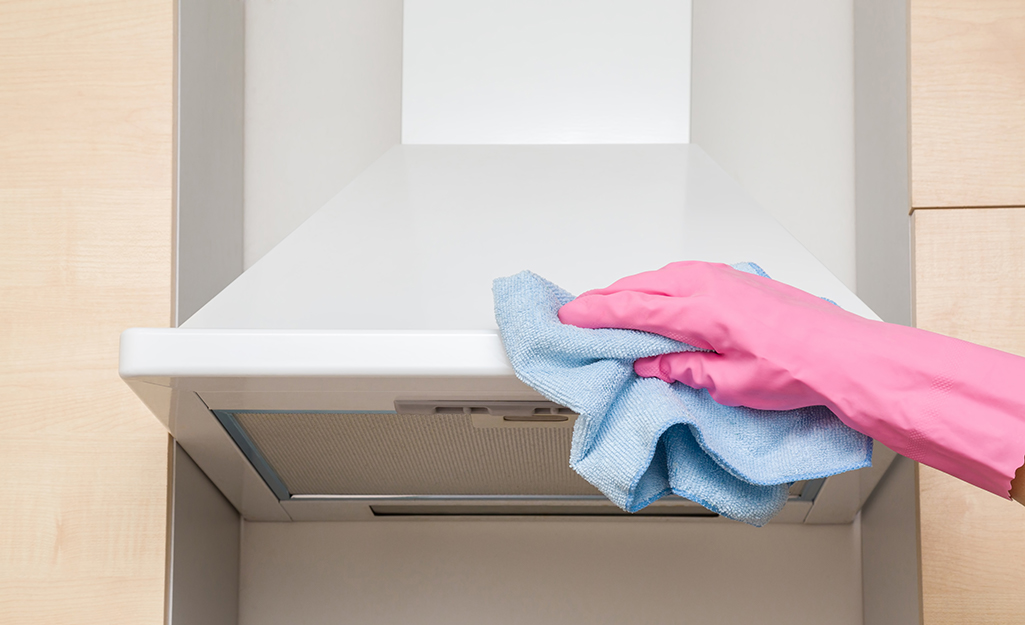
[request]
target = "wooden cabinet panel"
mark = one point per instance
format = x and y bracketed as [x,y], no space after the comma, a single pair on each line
[967,103]
[970,275]
[972,552]
[85,251]
[970,283]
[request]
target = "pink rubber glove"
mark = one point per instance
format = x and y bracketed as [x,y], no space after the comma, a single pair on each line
[950,404]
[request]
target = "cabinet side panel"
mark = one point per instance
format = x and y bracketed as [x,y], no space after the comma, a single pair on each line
[85,252]
[970,275]
[970,283]
[968,103]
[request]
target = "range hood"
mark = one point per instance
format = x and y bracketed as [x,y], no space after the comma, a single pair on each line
[356,372]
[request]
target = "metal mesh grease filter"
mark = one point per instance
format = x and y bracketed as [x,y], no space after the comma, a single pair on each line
[393,454]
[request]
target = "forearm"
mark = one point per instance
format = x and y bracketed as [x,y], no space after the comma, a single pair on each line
[1018,485]
[950,404]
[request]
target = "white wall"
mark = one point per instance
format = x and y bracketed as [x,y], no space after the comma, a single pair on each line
[773,103]
[771,96]
[323,99]
[549,572]
[546,71]
[324,92]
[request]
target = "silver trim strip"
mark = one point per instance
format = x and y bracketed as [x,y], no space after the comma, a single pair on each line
[452,498]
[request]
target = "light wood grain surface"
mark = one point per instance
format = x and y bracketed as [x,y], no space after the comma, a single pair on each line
[967,103]
[970,283]
[85,252]
[970,275]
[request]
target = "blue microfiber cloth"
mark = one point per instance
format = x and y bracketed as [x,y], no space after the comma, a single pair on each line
[639,439]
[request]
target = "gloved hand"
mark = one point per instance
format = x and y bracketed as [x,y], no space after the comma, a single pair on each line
[947,403]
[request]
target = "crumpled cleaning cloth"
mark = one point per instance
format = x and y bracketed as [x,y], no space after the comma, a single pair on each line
[640,439]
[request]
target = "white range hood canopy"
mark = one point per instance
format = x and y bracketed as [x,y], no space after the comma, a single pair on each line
[385,294]
[404,257]
[414,242]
